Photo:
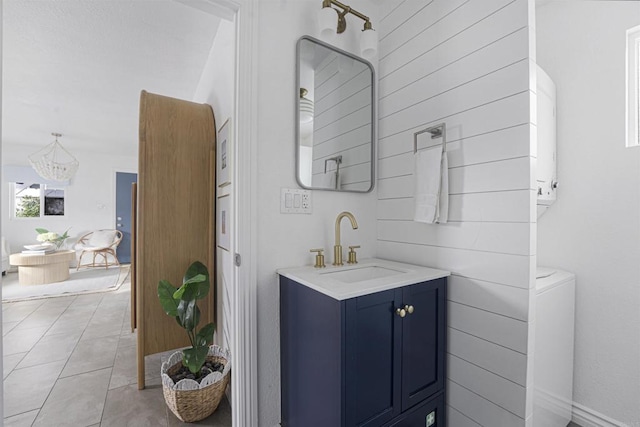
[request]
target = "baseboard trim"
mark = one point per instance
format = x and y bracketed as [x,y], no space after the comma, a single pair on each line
[587,417]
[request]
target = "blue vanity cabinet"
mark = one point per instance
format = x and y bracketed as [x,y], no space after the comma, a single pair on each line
[357,362]
[427,414]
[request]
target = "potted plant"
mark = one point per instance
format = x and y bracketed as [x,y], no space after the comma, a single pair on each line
[46,236]
[193,379]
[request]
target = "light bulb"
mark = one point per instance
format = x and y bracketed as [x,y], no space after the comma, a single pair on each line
[368,44]
[327,23]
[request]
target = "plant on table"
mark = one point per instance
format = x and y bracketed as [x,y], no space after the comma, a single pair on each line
[46,236]
[181,304]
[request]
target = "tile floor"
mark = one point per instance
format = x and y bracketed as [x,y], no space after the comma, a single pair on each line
[71,361]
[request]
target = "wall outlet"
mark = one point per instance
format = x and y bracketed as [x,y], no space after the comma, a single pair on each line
[295,201]
[306,200]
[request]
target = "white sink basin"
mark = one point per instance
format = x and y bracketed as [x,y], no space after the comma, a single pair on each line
[361,274]
[368,276]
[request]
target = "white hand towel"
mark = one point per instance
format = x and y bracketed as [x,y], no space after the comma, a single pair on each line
[427,175]
[443,203]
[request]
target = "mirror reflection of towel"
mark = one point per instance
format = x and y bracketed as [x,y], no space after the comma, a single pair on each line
[431,176]
[328,180]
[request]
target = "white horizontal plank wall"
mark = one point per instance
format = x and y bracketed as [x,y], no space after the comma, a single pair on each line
[466,63]
[342,122]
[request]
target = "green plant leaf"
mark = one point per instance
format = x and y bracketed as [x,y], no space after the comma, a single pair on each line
[189,314]
[192,316]
[185,292]
[41,230]
[181,303]
[194,358]
[193,274]
[182,311]
[65,235]
[195,279]
[195,283]
[205,335]
[165,295]
[196,268]
[202,290]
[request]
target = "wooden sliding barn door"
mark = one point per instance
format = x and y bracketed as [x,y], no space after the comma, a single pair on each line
[176,211]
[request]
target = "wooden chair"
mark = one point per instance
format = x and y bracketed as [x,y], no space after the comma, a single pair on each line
[99,243]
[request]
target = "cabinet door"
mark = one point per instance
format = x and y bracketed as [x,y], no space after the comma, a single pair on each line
[423,343]
[373,351]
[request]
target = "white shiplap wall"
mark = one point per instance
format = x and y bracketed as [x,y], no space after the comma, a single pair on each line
[466,63]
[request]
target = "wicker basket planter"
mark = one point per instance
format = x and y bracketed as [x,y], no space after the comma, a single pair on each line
[187,399]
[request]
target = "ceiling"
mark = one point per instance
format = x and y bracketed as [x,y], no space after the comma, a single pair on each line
[77,67]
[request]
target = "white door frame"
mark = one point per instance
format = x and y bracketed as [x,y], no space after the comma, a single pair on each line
[1,334]
[244,305]
[244,375]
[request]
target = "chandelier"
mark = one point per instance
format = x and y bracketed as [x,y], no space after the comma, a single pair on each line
[54,162]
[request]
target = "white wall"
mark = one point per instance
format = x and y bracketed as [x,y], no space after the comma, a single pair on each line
[467,63]
[593,229]
[89,199]
[285,240]
[216,88]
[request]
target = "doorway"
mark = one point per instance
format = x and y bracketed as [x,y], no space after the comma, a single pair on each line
[244,413]
[124,181]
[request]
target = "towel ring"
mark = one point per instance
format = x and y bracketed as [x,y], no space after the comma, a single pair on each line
[437,131]
[337,159]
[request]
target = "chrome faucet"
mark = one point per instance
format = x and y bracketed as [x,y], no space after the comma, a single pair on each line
[337,248]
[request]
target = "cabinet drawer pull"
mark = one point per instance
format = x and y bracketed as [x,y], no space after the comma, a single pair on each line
[409,309]
[401,312]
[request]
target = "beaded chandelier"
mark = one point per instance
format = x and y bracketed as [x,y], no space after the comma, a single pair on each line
[54,162]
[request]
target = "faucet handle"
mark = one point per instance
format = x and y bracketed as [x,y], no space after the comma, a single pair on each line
[319,258]
[352,255]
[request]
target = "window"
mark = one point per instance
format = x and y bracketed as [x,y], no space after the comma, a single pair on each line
[33,200]
[633,87]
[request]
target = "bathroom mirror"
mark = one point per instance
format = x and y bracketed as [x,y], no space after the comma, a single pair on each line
[334,119]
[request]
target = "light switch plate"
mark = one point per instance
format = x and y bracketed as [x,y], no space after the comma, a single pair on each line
[295,201]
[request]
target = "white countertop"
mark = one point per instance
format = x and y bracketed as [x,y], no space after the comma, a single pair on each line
[322,279]
[549,277]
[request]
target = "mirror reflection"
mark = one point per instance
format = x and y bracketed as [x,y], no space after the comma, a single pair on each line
[335,119]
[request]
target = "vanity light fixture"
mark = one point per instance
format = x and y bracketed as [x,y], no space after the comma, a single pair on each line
[326,22]
[306,107]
